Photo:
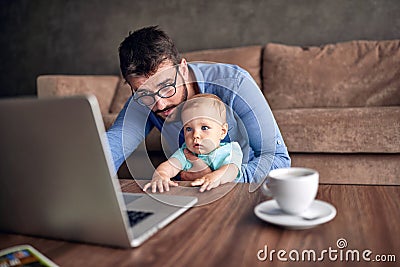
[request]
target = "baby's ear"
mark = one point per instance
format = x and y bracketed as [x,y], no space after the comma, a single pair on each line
[224,130]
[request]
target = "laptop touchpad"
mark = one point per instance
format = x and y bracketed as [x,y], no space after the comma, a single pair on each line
[128,198]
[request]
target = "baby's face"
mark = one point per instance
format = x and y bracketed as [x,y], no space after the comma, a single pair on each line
[203,135]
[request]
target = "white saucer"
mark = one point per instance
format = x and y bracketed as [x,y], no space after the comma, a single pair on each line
[269,211]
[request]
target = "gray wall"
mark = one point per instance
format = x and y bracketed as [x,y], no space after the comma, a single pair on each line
[82,36]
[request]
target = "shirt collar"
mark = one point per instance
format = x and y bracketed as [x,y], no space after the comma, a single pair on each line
[198,76]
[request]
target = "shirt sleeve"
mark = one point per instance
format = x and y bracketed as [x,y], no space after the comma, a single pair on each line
[263,133]
[180,156]
[128,131]
[234,155]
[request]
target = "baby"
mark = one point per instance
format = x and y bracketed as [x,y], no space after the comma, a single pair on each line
[204,125]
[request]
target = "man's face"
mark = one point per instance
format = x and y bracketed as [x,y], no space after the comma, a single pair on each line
[164,77]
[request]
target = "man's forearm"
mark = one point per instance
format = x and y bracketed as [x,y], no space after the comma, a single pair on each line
[257,169]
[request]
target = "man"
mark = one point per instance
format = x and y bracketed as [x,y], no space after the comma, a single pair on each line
[161,80]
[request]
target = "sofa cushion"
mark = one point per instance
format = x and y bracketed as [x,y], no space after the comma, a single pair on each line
[341,130]
[103,87]
[109,119]
[350,74]
[247,57]
[122,94]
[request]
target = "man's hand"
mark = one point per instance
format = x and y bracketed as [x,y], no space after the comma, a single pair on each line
[198,170]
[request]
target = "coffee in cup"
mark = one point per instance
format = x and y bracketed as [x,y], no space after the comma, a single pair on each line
[294,189]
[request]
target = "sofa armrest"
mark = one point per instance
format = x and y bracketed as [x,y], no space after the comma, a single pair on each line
[102,86]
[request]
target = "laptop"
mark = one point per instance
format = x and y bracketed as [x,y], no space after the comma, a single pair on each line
[57,178]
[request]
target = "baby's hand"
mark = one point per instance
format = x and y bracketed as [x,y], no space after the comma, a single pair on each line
[207,182]
[160,183]
[224,174]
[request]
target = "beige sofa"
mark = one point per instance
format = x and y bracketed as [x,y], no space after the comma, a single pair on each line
[337,105]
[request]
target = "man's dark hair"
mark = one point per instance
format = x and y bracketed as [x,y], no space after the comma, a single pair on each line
[144,50]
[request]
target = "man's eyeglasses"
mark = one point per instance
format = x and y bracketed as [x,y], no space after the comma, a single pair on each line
[147,98]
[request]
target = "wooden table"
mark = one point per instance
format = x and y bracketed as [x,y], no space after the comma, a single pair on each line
[225,232]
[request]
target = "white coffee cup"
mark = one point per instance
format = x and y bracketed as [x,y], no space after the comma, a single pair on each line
[294,189]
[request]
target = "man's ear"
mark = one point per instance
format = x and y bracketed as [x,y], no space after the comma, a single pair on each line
[184,69]
[224,130]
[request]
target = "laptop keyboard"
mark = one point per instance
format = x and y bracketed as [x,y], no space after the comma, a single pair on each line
[137,216]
